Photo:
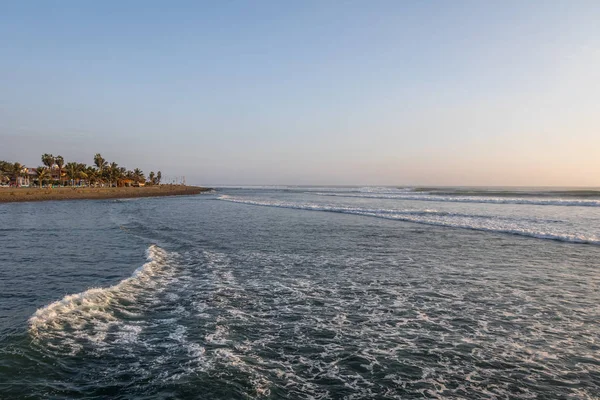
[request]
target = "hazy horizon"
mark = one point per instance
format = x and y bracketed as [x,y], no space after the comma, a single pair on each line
[310,93]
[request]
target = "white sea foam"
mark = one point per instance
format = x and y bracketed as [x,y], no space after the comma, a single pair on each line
[407,195]
[384,190]
[279,322]
[74,311]
[537,229]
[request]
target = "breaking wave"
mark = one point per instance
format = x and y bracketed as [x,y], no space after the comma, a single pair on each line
[532,228]
[98,306]
[511,192]
[470,199]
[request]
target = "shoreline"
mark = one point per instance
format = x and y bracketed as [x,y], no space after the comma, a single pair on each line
[15,195]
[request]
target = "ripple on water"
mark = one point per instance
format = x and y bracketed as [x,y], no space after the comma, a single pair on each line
[263,324]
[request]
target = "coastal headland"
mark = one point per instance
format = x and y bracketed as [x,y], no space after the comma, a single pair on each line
[9,195]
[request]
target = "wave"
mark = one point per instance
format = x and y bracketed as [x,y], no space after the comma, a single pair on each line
[514,226]
[384,189]
[470,199]
[514,192]
[360,211]
[98,304]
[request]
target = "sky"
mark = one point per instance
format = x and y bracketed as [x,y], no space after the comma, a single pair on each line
[321,92]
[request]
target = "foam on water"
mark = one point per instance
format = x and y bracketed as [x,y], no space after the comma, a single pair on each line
[499,224]
[384,190]
[470,199]
[278,328]
[99,307]
[120,321]
[369,312]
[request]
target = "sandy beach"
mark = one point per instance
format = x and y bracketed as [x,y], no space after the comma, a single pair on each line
[8,195]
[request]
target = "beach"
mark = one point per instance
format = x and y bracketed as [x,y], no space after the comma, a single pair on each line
[10,195]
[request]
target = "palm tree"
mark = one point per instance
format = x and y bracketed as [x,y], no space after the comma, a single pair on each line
[105,175]
[4,171]
[113,173]
[100,162]
[92,175]
[72,170]
[81,172]
[120,174]
[138,175]
[42,174]
[48,160]
[151,177]
[16,171]
[60,162]
[158,177]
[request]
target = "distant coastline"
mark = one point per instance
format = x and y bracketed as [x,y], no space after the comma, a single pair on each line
[11,195]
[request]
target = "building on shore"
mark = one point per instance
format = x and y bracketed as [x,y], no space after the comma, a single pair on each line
[24,180]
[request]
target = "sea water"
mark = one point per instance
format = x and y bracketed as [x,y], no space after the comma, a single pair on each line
[304,292]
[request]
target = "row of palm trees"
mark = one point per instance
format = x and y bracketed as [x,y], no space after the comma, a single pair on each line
[56,170]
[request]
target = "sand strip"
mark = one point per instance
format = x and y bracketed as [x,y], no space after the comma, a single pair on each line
[8,195]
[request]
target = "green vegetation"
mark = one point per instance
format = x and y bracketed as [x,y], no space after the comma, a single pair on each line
[56,172]
[43,173]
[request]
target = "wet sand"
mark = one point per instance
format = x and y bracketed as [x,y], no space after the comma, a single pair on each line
[8,195]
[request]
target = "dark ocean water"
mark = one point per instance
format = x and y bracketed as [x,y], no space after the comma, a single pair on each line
[315,293]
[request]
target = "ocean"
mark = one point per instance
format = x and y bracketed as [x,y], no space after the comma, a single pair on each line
[304,293]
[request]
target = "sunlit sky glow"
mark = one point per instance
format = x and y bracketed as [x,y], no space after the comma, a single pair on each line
[308,92]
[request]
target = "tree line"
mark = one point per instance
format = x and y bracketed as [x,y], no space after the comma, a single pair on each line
[57,172]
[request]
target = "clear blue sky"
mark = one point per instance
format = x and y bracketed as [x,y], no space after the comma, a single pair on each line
[308,92]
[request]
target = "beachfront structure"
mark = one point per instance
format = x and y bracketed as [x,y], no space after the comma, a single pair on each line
[125,182]
[26,177]
[57,173]
[31,176]
[23,180]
